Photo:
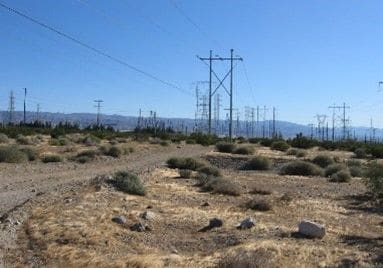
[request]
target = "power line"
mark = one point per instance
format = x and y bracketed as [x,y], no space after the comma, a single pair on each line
[95,50]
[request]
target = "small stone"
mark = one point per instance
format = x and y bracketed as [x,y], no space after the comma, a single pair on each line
[33,190]
[17,222]
[138,227]
[206,204]
[149,207]
[246,224]
[311,229]
[119,219]
[148,215]
[68,200]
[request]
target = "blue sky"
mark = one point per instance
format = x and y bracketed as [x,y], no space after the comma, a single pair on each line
[300,56]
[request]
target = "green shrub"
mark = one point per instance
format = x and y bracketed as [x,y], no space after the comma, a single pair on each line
[323,160]
[332,169]
[360,153]
[31,153]
[341,176]
[354,163]
[185,173]
[113,151]
[258,163]
[209,170]
[259,205]
[3,138]
[225,147]
[185,163]
[303,142]
[280,146]
[91,140]
[51,158]
[83,159]
[301,153]
[377,151]
[12,154]
[23,140]
[296,152]
[88,153]
[129,183]
[356,171]
[374,180]
[266,142]
[190,141]
[220,185]
[244,150]
[301,168]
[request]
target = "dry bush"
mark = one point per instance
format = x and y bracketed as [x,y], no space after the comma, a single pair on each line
[210,170]
[31,153]
[341,176]
[129,183]
[12,154]
[323,160]
[3,138]
[91,140]
[260,191]
[356,171]
[334,168]
[23,140]
[259,204]
[185,163]
[225,147]
[113,151]
[301,168]
[244,149]
[219,185]
[360,153]
[258,163]
[185,173]
[280,146]
[51,158]
[374,180]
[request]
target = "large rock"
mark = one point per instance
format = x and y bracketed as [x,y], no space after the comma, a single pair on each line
[246,224]
[138,227]
[311,229]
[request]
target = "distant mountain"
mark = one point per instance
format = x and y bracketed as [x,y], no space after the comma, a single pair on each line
[287,129]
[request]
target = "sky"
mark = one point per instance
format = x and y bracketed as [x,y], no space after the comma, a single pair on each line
[299,56]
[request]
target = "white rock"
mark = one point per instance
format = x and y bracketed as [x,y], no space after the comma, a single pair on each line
[148,215]
[311,229]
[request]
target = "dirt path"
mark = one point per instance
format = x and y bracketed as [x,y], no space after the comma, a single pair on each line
[21,185]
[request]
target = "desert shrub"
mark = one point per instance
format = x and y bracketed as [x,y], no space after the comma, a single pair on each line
[225,147]
[266,142]
[190,141]
[209,170]
[360,152]
[301,153]
[113,151]
[88,153]
[91,140]
[301,168]
[83,159]
[49,158]
[3,138]
[31,153]
[292,151]
[323,160]
[377,151]
[244,149]
[127,150]
[164,143]
[54,142]
[341,176]
[260,191]
[356,171]
[280,146]
[332,169]
[354,163]
[185,163]
[303,142]
[23,140]
[129,183]
[12,154]
[242,257]
[220,185]
[185,173]
[374,180]
[259,205]
[258,163]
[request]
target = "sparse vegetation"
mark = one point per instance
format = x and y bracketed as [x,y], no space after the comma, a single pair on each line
[219,185]
[225,147]
[129,183]
[244,149]
[334,168]
[341,176]
[209,170]
[301,168]
[297,152]
[12,154]
[23,140]
[356,171]
[3,138]
[259,204]
[374,180]
[31,153]
[360,153]
[280,146]
[113,151]
[258,163]
[51,158]
[185,163]
[323,160]
[91,140]
[260,191]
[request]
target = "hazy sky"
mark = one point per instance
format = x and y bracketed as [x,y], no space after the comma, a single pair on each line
[300,56]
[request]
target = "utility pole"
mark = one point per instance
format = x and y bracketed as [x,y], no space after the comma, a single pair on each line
[252,122]
[221,84]
[344,121]
[11,106]
[274,134]
[98,106]
[257,126]
[25,105]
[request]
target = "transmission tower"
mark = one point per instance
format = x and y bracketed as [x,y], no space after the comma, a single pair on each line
[210,59]
[201,114]
[321,118]
[98,106]
[11,106]
[217,107]
[342,119]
